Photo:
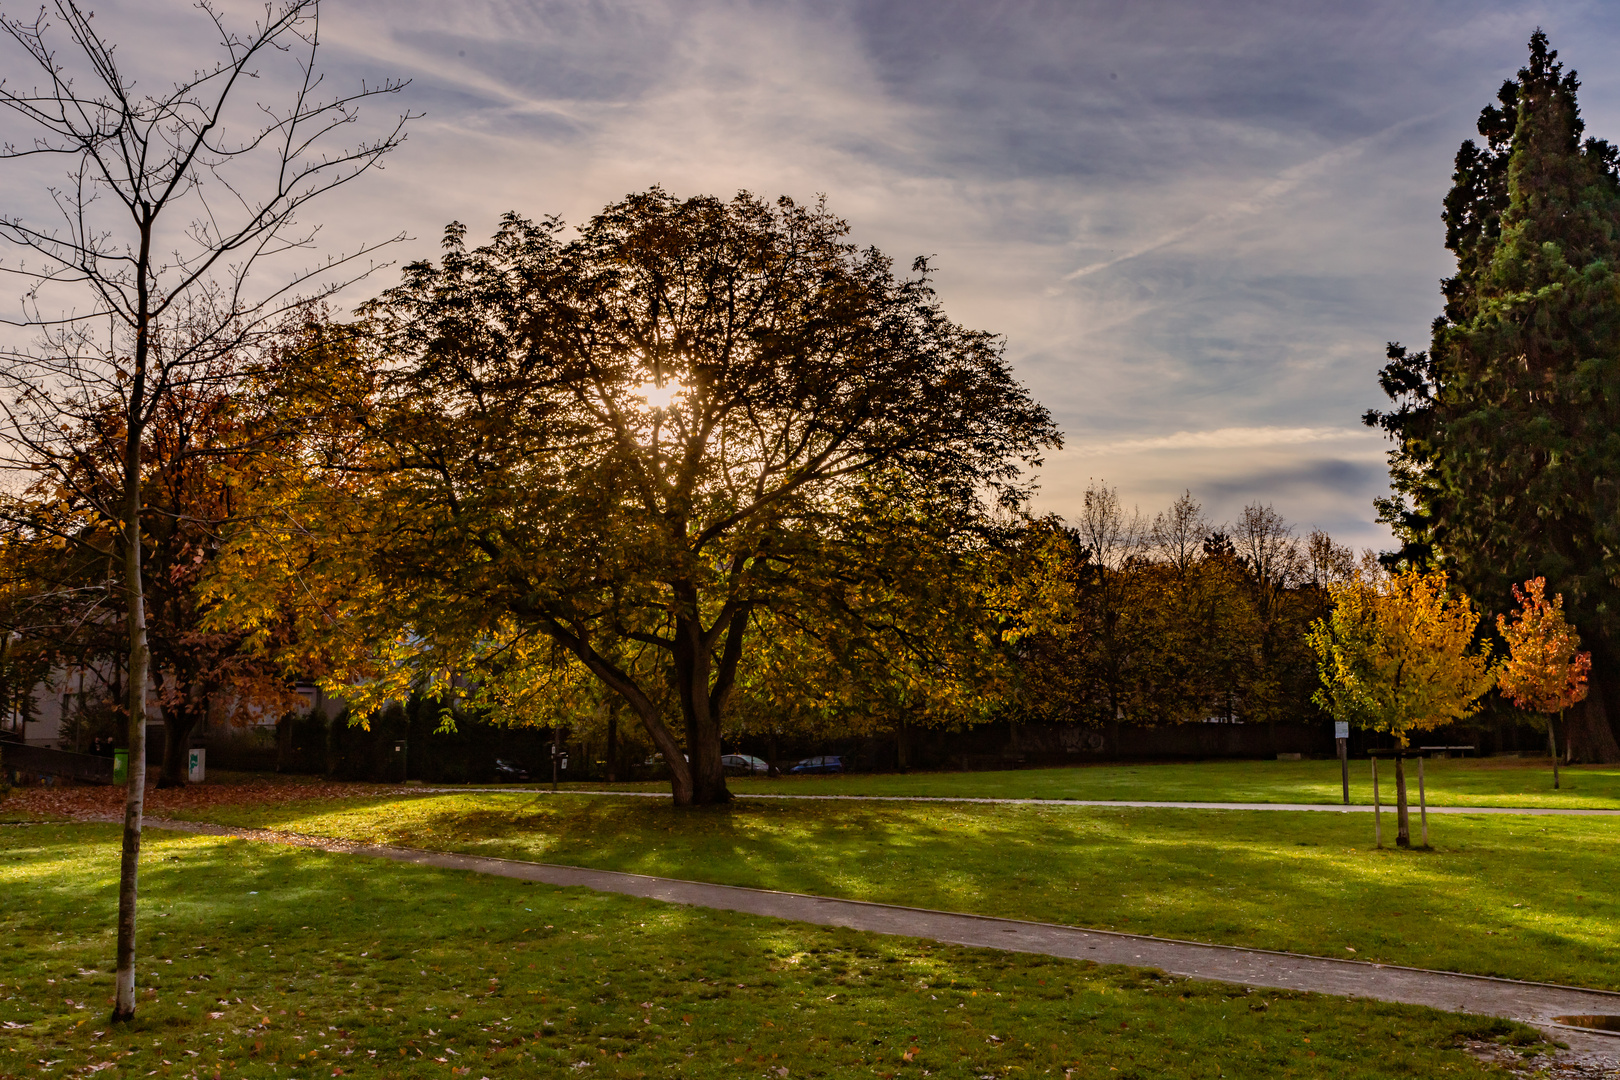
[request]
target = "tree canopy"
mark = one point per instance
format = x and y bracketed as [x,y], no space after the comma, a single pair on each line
[1544,671]
[1396,654]
[696,420]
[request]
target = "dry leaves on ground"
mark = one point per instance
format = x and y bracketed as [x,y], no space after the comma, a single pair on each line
[95,801]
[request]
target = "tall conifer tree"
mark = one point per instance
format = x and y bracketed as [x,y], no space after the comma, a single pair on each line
[1507,430]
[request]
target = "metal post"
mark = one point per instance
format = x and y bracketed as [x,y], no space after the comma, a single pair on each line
[1378,813]
[1423,804]
[1344,760]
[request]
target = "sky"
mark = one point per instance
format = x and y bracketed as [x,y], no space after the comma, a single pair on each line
[1196,225]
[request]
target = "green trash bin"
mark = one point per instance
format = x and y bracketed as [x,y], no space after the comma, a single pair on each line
[120,766]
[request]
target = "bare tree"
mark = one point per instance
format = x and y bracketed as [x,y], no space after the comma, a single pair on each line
[1327,562]
[175,242]
[1178,533]
[1267,544]
[1114,540]
[1113,536]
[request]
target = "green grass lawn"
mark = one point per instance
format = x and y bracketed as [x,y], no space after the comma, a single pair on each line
[1450,782]
[262,961]
[1521,897]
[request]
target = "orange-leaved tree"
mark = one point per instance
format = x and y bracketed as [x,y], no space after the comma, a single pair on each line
[1545,671]
[1394,655]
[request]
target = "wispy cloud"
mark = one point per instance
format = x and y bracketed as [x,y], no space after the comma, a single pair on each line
[1228,438]
[1285,183]
[1196,224]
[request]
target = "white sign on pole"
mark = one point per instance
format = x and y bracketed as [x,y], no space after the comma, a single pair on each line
[1341,729]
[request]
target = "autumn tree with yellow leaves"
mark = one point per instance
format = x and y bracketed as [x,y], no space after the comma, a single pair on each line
[1396,655]
[698,420]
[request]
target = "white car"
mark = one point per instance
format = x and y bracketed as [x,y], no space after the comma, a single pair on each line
[743,763]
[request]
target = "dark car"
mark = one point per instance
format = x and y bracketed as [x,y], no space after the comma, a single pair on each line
[828,763]
[743,764]
[510,772]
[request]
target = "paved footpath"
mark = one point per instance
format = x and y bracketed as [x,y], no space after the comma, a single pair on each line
[1532,1003]
[1334,808]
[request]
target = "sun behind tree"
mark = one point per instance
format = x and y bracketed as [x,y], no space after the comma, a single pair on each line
[698,420]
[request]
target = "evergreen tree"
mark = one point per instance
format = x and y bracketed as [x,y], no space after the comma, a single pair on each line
[1507,430]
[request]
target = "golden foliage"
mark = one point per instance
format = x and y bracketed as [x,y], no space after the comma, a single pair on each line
[1394,654]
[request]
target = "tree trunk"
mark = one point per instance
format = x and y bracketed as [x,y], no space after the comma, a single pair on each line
[1589,730]
[1378,807]
[680,773]
[613,742]
[5,679]
[177,731]
[284,734]
[1552,748]
[1403,828]
[700,706]
[902,752]
[178,725]
[62,714]
[1587,733]
[708,775]
[135,793]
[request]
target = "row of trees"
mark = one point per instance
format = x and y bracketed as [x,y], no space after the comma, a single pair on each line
[1175,618]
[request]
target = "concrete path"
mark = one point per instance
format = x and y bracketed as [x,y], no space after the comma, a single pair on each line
[1532,1003]
[1336,808]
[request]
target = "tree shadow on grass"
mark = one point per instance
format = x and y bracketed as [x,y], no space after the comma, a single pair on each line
[1522,898]
[430,969]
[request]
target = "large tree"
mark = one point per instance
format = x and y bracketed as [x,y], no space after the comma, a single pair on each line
[1508,427]
[695,412]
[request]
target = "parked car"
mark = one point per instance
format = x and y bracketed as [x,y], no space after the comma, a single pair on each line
[744,764]
[828,763]
[510,771]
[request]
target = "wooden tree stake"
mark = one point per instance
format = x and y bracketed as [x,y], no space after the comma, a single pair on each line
[1378,813]
[1423,803]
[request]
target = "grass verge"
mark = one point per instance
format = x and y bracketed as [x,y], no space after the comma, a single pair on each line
[1450,782]
[274,962]
[1518,897]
